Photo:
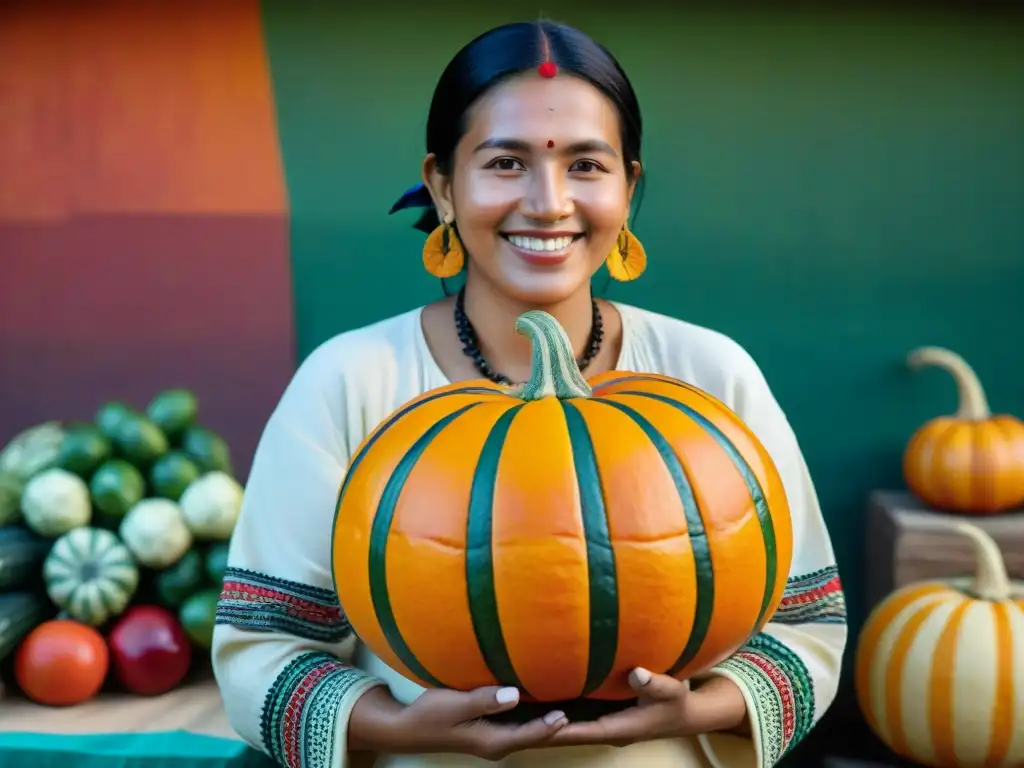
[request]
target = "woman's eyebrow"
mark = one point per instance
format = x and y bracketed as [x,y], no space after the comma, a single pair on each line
[575,148]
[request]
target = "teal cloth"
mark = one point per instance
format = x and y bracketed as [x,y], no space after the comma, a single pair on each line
[164,749]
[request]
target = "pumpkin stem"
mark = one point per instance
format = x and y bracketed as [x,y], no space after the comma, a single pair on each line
[553,371]
[990,579]
[973,403]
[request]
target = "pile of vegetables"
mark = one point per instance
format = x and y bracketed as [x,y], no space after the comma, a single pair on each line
[113,543]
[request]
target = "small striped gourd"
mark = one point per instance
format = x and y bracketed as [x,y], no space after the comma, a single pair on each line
[90,574]
[555,535]
[971,461]
[939,668]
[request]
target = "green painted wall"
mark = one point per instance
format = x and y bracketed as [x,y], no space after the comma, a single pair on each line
[829,190]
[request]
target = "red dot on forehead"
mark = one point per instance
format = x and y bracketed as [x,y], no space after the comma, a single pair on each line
[550,144]
[547,69]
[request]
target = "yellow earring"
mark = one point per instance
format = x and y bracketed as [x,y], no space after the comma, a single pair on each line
[628,260]
[442,253]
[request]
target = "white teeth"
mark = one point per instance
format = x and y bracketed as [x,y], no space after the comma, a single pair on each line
[539,244]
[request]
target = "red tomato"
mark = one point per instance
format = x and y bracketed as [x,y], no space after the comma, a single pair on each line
[150,652]
[61,662]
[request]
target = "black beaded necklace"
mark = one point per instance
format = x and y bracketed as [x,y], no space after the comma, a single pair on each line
[471,347]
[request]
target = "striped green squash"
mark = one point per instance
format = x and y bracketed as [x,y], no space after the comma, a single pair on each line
[90,574]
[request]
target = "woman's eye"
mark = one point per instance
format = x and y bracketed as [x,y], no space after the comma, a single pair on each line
[586,166]
[507,164]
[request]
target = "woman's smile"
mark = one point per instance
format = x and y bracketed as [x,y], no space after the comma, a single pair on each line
[542,248]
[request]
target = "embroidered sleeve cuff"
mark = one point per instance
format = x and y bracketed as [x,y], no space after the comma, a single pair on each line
[258,602]
[779,693]
[304,722]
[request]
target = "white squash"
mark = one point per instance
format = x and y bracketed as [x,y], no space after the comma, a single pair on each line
[54,502]
[90,574]
[211,504]
[939,670]
[155,533]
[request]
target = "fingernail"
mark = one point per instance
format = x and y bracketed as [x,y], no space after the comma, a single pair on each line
[507,695]
[553,717]
[641,676]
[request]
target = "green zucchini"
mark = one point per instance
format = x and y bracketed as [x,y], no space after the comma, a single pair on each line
[32,450]
[20,613]
[10,499]
[21,557]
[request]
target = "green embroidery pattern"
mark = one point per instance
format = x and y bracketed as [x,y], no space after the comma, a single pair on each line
[299,719]
[782,690]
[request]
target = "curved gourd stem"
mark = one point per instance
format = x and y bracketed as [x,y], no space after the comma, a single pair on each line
[553,370]
[973,403]
[990,579]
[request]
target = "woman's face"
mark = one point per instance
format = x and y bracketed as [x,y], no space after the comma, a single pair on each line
[538,187]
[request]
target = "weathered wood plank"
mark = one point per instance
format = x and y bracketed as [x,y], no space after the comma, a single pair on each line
[908,542]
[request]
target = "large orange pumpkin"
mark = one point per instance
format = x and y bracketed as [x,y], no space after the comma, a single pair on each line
[972,461]
[555,535]
[940,667]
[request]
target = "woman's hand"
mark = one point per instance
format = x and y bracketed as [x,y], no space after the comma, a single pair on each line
[666,708]
[447,721]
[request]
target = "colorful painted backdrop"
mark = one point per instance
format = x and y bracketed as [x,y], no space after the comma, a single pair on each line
[196,194]
[143,213]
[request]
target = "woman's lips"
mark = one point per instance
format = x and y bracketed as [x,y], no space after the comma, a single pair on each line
[543,250]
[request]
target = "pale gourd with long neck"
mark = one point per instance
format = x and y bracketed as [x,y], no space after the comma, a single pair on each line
[971,461]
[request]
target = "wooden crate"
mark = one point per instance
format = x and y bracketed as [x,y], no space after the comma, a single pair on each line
[908,542]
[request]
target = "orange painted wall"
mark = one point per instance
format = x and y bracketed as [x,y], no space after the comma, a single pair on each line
[161,107]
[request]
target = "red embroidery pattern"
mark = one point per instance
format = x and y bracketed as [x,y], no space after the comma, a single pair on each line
[292,605]
[261,603]
[300,713]
[814,597]
[785,690]
[782,690]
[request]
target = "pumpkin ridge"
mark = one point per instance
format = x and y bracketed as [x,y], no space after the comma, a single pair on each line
[703,565]
[1003,714]
[944,434]
[871,636]
[379,533]
[1005,438]
[940,704]
[651,378]
[894,673]
[480,581]
[380,430]
[601,571]
[371,440]
[753,488]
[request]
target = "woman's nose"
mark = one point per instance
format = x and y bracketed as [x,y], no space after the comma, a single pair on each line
[547,196]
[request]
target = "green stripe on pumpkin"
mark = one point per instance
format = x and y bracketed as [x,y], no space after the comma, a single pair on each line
[704,568]
[601,572]
[764,516]
[483,597]
[358,458]
[401,414]
[379,534]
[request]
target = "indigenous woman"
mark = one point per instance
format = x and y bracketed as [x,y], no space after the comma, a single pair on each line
[533,153]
